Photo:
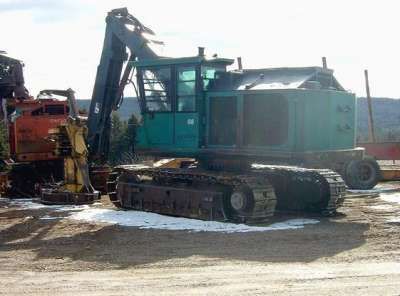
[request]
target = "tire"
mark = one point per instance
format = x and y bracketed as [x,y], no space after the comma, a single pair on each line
[362,174]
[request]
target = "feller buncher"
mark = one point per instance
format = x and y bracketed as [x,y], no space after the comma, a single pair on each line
[260,140]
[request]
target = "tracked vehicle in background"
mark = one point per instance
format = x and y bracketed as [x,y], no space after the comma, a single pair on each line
[260,140]
[31,160]
[47,152]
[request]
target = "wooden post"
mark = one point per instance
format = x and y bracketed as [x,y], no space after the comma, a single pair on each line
[371,129]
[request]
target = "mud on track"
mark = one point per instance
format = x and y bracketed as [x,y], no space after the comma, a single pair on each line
[357,252]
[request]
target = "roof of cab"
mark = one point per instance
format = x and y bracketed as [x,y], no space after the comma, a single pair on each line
[163,61]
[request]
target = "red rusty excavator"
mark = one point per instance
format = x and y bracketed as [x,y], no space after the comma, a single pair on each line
[31,126]
[31,158]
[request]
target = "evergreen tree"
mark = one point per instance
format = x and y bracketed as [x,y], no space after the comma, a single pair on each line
[131,131]
[122,139]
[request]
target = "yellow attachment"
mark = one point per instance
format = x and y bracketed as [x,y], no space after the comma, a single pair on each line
[72,177]
[76,134]
[76,170]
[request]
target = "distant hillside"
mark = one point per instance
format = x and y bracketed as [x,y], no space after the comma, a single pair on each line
[386,112]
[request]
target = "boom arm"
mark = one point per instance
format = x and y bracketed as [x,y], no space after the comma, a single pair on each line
[108,87]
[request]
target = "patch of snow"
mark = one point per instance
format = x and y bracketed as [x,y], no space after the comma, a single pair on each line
[379,188]
[146,220]
[70,208]
[384,186]
[50,218]
[34,204]
[391,197]
[27,204]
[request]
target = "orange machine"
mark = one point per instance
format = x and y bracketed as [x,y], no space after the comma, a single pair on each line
[33,154]
[32,161]
[30,122]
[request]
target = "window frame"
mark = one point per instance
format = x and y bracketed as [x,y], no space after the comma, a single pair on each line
[173,68]
[142,90]
[216,67]
[196,86]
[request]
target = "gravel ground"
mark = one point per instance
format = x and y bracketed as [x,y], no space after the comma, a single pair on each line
[356,252]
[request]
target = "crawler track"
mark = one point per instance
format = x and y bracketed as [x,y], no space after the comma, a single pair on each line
[309,190]
[251,196]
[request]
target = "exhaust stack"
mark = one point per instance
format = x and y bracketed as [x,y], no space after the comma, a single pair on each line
[324,63]
[201,51]
[239,61]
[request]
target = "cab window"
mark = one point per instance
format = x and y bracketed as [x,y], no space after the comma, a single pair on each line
[157,89]
[208,74]
[54,109]
[186,89]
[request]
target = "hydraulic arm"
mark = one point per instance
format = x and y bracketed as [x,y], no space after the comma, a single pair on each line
[122,31]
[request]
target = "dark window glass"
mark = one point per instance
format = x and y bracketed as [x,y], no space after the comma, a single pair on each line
[208,74]
[54,109]
[186,89]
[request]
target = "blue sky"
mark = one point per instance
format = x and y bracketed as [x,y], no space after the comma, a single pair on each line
[60,41]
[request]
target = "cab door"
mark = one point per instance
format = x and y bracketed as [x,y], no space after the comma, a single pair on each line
[158,119]
[186,118]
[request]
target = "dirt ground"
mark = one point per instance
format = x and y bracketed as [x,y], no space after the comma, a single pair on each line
[357,252]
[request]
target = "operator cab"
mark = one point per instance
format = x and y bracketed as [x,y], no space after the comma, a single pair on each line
[172,97]
[176,84]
